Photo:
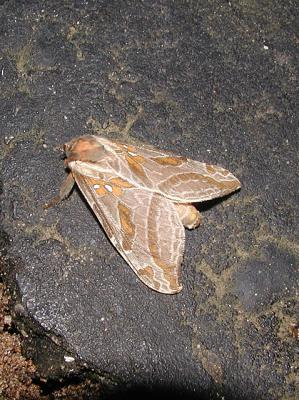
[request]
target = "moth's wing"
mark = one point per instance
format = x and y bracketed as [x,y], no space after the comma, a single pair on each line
[178,178]
[195,182]
[143,226]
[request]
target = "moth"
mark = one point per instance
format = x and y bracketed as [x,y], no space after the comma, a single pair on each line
[143,199]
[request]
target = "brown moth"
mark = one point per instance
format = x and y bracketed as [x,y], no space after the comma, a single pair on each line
[142,197]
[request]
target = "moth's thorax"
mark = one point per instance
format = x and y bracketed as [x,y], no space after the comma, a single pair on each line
[84,148]
[90,169]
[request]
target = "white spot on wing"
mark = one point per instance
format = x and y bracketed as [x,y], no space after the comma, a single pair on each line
[96,186]
[108,187]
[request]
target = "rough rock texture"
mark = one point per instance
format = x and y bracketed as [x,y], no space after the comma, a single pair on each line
[214,81]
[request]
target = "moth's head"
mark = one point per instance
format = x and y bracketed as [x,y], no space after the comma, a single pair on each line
[83,148]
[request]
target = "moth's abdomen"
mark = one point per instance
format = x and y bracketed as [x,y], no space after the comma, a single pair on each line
[189,215]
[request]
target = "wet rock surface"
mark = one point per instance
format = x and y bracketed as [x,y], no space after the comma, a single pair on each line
[212,81]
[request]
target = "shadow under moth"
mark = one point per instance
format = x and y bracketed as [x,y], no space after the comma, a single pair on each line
[143,199]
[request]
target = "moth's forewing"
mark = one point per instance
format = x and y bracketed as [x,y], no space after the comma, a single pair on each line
[143,226]
[178,178]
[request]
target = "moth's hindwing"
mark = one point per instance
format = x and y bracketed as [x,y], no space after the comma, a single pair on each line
[143,226]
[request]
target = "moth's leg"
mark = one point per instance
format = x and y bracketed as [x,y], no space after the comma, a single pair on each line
[64,191]
[189,215]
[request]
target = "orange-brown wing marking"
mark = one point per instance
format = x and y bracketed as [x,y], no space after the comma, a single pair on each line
[172,161]
[128,227]
[136,167]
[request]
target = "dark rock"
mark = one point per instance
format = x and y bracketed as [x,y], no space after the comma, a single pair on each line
[262,282]
[213,81]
